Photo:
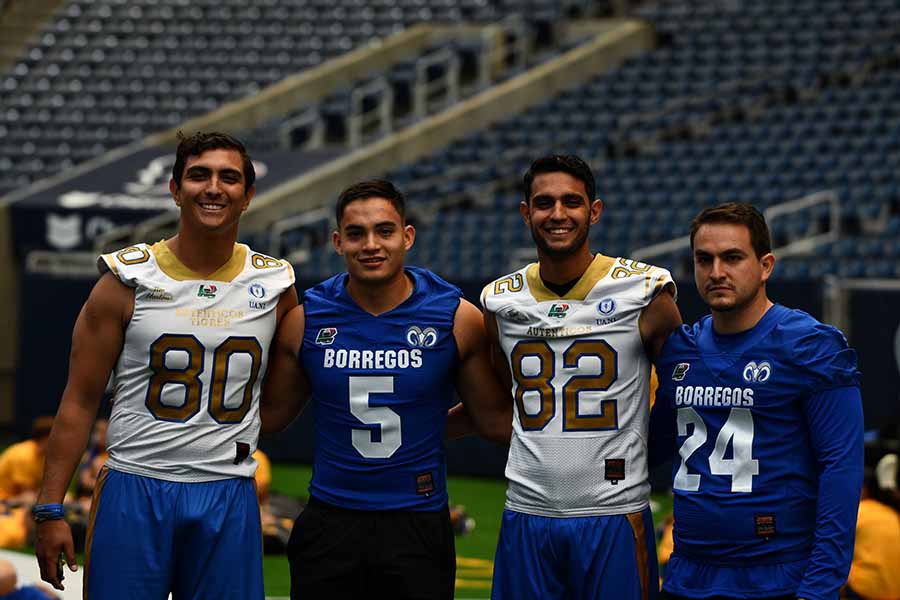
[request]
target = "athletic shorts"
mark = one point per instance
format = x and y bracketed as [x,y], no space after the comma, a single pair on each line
[148,537]
[576,558]
[342,553]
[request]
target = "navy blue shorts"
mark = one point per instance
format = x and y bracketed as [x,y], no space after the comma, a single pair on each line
[148,537]
[576,558]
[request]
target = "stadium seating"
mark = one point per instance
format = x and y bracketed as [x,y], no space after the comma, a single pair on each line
[103,73]
[740,103]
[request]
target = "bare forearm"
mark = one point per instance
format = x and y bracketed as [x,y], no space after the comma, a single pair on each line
[275,415]
[68,440]
[459,423]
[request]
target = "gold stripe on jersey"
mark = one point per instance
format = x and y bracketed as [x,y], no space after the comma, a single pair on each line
[641,552]
[174,268]
[89,536]
[596,271]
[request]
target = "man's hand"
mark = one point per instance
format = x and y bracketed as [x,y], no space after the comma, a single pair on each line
[53,538]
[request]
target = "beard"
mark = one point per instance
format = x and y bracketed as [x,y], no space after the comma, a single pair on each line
[581,236]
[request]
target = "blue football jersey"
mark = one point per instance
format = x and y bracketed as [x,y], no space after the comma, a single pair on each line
[746,476]
[381,387]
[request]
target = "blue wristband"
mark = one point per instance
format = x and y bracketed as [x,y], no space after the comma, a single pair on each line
[48,512]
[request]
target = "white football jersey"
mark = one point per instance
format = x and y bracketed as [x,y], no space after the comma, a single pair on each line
[581,383]
[187,384]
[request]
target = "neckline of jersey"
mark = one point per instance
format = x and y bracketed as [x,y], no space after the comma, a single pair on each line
[596,271]
[175,269]
[342,283]
[762,328]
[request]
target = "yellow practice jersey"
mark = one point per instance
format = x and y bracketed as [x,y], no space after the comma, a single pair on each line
[875,571]
[581,384]
[21,469]
[187,384]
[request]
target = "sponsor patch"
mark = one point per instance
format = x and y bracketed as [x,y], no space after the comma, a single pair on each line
[614,470]
[326,336]
[206,291]
[558,310]
[764,525]
[160,294]
[680,371]
[424,484]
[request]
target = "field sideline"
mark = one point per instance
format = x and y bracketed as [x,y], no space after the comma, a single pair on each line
[483,501]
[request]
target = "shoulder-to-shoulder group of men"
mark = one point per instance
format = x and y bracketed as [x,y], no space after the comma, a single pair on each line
[758,407]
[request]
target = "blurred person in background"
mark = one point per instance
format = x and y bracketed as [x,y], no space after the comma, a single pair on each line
[22,464]
[875,572]
[10,590]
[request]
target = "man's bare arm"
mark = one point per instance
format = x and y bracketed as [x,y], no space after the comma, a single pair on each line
[487,402]
[96,344]
[286,389]
[658,319]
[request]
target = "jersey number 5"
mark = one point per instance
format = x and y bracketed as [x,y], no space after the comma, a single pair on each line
[540,382]
[189,377]
[361,388]
[738,429]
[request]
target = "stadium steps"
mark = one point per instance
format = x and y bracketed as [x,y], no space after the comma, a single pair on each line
[614,42]
[19,19]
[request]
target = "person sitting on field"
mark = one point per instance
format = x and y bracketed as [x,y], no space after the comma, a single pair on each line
[22,464]
[875,571]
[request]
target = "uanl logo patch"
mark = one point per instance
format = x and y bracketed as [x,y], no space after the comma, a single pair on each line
[680,371]
[607,306]
[326,336]
[558,310]
[206,291]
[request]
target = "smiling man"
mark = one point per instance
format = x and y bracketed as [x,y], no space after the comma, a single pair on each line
[763,403]
[574,335]
[380,349]
[185,326]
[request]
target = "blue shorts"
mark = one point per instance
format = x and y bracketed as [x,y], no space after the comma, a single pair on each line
[576,558]
[148,537]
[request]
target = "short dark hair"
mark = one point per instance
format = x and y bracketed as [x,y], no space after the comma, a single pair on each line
[200,142]
[372,188]
[737,213]
[562,163]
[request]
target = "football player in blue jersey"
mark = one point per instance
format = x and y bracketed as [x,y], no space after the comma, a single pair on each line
[380,350]
[762,403]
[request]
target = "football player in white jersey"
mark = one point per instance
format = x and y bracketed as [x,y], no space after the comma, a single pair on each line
[185,326]
[574,336]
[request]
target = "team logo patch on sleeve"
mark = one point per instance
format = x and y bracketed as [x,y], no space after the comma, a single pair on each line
[757,373]
[326,336]
[421,338]
[680,371]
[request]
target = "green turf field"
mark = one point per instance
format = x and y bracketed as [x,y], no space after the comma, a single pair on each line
[483,499]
